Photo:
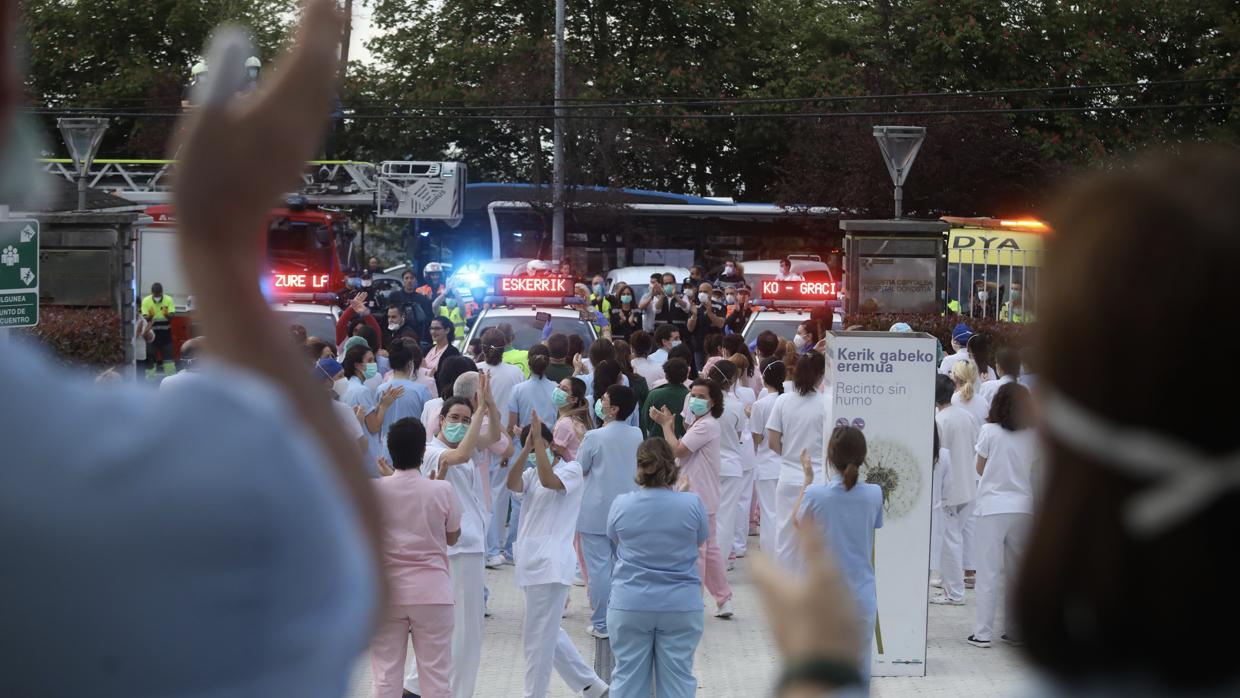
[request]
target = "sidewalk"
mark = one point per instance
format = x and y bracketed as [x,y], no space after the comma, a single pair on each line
[737,658]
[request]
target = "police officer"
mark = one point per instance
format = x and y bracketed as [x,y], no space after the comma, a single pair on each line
[1014,309]
[448,305]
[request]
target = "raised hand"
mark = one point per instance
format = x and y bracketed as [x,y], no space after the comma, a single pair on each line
[391,395]
[807,466]
[237,158]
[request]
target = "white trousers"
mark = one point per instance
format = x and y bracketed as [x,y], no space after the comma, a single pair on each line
[725,520]
[740,544]
[768,526]
[936,516]
[547,645]
[1000,541]
[970,523]
[786,551]
[951,565]
[468,575]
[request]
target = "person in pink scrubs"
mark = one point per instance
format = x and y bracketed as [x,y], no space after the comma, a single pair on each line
[699,456]
[421,518]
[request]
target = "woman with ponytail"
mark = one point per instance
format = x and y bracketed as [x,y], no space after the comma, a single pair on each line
[964,375]
[767,467]
[846,513]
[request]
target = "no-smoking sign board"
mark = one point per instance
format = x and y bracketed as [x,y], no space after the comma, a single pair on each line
[19,273]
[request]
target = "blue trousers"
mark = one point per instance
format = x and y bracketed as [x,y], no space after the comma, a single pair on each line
[654,645]
[600,555]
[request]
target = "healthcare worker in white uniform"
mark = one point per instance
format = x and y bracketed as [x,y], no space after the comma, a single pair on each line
[796,425]
[1004,504]
[766,461]
[732,427]
[449,456]
[958,432]
[551,492]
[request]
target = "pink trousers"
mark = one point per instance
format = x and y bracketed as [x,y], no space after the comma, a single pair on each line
[713,568]
[431,628]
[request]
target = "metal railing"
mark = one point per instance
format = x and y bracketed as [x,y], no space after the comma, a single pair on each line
[1009,277]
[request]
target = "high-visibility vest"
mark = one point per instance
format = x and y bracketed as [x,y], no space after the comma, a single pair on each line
[1019,315]
[426,290]
[604,308]
[519,358]
[454,316]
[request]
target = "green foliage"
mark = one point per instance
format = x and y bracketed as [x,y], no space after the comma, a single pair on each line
[82,336]
[1000,333]
[132,55]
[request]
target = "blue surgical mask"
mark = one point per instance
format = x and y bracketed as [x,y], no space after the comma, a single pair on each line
[559,397]
[669,289]
[598,289]
[698,406]
[626,298]
[598,409]
[455,431]
[450,302]
[372,369]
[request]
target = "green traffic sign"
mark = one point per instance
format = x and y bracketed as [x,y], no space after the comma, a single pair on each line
[19,273]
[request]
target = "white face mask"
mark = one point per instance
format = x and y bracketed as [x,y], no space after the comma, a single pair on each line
[393,326]
[1183,480]
[703,297]
[982,296]
[799,341]
[339,387]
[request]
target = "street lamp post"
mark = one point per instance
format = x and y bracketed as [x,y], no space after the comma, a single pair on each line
[899,145]
[557,143]
[83,136]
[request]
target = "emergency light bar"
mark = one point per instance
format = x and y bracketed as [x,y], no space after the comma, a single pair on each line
[799,290]
[535,286]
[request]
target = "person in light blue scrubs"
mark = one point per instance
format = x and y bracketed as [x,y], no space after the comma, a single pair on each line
[847,513]
[608,457]
[654,615]
[404,356]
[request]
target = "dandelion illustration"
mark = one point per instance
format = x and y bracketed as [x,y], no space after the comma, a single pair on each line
[893,467]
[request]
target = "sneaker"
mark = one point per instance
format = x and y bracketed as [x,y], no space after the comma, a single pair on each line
[936,581]
[984,644]
[942,600]
[731,565]
[1011,641]
[508,560]
[595,632]
[409,694]
[970,582]
[494,562]
[598,689]
[578,581]
[725,611]
[741,553]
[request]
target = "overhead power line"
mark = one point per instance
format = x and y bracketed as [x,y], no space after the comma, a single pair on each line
[741,116]
[592,104]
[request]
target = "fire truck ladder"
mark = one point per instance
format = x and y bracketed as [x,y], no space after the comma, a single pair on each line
[325,182]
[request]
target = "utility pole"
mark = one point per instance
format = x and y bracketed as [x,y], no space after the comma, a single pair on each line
[557,152]
[346,39]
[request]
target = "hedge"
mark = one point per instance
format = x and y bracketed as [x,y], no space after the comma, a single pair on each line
[81,336]
[999,333]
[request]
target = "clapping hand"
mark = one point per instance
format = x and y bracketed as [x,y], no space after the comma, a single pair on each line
[661,416]
[807,466]
[391,395]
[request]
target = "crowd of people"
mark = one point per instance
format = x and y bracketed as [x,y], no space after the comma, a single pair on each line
[220,537]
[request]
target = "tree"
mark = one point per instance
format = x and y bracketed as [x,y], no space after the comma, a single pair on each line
[132,56]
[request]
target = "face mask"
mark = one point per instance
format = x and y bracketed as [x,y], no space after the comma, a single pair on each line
[451,302]
[598,409]
[393,326]
[626,298]
[598,289]
[1015,296]
[253,73]
[455,432]
[372,369]
[703,297]
[675,343]
[533,461]
[731,300]
[698,406]
[340,386]
[1183,480]
[559,397]
[729,269]
[669,289]
[799,342]
[982,296]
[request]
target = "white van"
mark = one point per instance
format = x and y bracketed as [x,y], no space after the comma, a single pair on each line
[638,278]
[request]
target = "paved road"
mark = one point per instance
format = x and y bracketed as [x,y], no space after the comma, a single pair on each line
[737,658]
